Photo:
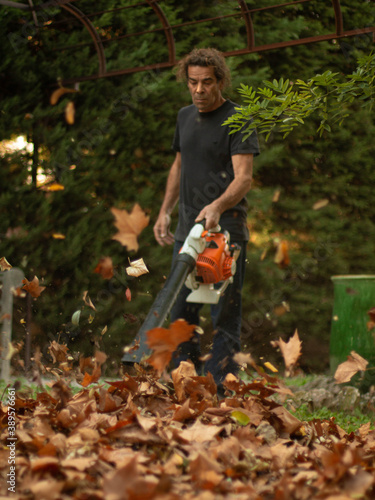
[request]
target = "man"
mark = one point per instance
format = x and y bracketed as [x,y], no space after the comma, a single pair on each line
[210,177]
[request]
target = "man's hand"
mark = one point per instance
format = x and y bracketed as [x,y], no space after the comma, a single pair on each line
[161,230]
[212,215]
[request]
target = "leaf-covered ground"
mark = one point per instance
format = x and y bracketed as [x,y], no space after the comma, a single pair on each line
[143,438]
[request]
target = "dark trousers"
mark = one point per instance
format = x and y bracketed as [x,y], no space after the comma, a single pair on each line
[226,319]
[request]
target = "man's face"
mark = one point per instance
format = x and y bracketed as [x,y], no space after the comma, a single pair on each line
[204,88]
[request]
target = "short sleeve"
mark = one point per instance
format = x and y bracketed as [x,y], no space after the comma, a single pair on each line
[248,146]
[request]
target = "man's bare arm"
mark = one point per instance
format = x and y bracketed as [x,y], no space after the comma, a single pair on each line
[172,192]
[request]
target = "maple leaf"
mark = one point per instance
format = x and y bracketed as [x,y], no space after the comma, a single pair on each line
[4,265]
[137,268]
[105,268]
[33,287]
[290,351]
[346,370]
[164,341]
[129,225]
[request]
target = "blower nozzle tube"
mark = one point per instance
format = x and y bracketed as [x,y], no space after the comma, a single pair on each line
[183,266]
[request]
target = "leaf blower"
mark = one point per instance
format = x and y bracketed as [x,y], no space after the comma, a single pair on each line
[206,264]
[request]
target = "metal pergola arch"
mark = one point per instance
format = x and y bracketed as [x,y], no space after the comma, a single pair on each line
[244,12]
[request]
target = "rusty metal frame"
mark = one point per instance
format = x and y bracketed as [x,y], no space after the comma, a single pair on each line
[168,30]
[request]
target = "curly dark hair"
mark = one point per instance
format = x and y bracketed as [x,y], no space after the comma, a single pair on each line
[205,57]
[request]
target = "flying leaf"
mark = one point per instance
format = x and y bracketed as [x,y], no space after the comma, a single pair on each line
[59,352]
[55,186]
[86,299]
[164,341]
[129,226]
[4,265]
[282,254]
[270,366]
[11,351]
[33,287]
[320,204]
[105,268]
[70,112]
[56,94]
[137,268]
[346,370]
[290,351]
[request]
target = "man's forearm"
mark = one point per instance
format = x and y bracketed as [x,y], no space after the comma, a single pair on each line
[172,190]
[234,193]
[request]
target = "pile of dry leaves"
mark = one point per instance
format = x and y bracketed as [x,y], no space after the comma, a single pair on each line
[155,436]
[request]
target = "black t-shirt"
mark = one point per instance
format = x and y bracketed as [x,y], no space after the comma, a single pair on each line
[206,149]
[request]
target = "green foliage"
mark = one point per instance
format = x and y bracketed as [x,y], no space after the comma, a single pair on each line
[350,422]
[282,105]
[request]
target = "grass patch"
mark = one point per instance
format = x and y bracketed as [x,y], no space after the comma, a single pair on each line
[350,422]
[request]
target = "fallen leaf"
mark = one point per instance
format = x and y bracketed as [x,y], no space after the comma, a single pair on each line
[240,417]
[164,341]
[33,287]
[137,268]
[105,268]
[4,265]
[346,370]
[129,226]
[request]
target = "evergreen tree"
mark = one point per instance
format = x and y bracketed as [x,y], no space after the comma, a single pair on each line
[118,152]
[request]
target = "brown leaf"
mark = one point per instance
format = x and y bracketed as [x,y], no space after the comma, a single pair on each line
[4,265]
[371,314]
[129,482]
[70,112]
[137,268]
[200,433]
[59,352]
[105,268]
[129,225]
[346,370]
[164,341]
[320,204]
[56,94]
[86,299]
[290,351]
[282,254]
[33,287]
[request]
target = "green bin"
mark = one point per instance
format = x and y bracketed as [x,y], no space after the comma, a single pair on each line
[354,296]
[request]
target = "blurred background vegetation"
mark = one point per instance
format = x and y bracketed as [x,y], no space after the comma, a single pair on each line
[315,195]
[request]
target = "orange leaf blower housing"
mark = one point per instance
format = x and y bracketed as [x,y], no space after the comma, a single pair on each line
[217,262]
